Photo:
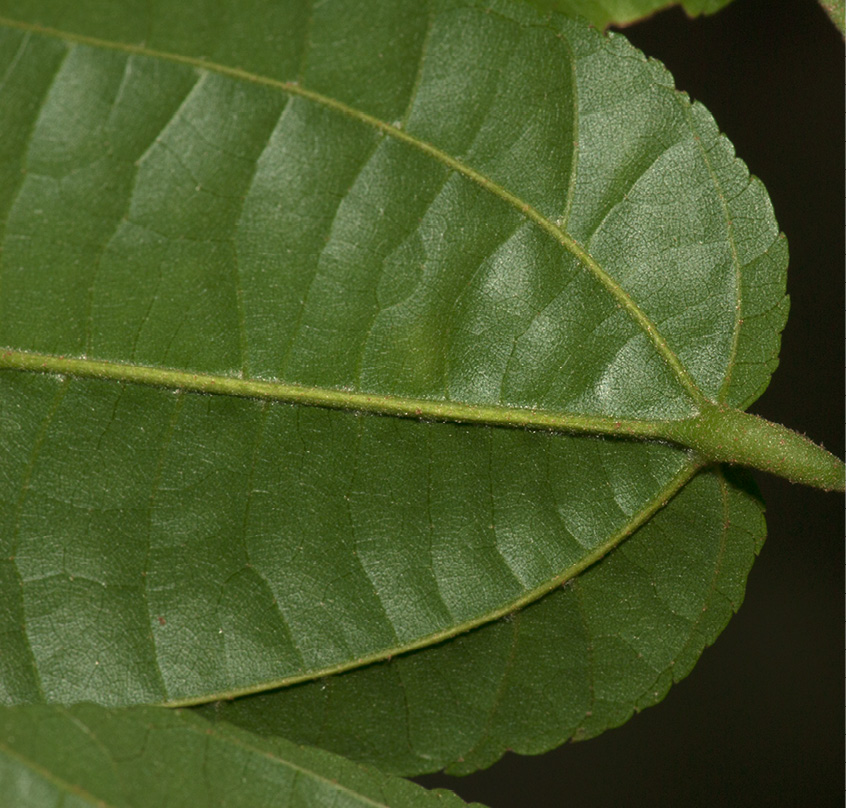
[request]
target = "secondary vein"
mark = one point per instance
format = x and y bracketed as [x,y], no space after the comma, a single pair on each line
[685,473]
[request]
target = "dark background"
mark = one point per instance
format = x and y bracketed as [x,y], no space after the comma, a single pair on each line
[759,722]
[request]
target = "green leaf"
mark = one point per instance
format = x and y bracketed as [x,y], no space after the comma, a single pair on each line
[602,13]
[836,9]
[578,662]
[304,299]
[149,756]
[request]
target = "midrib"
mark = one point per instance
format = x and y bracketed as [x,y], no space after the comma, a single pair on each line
[333,398]
[530,212]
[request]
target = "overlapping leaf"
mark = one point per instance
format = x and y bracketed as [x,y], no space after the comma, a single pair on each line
[623,12]
[91,755]
[836,10]
[448,204]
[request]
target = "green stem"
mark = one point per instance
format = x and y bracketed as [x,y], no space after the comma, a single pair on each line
[717,434]
[725,435]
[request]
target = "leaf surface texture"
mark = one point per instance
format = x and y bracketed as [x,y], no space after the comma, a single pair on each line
[450,203]
[624,12]
[574,664]
[90,755]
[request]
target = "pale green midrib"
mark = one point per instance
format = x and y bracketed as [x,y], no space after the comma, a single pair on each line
[292,88]
[659,501]
[717,434]
[422,409]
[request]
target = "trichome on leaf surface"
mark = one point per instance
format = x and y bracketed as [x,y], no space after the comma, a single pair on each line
[369,373]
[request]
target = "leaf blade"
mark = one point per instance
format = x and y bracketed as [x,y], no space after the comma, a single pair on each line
[90,755]
[602,13]
[182,504]
[491,183]
[531,682]
[623,372]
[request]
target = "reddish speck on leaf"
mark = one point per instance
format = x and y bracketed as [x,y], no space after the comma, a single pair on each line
[162,621]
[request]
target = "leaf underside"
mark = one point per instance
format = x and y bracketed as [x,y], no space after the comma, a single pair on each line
[449,201]
[836,10]
[143,756]
[624,12]
[570,666]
